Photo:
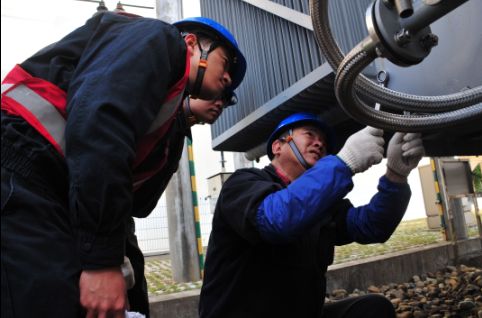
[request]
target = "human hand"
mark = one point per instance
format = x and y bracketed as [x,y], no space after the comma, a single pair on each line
[404,152]
[103,293]
[363,149]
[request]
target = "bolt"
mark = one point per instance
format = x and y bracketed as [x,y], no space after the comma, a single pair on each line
[428,41]
[403,37]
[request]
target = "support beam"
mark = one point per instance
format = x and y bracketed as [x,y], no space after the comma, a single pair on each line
[281,11]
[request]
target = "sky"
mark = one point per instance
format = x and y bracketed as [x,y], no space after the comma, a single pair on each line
[29,25]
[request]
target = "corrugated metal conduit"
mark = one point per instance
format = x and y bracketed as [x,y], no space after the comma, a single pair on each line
[429,113]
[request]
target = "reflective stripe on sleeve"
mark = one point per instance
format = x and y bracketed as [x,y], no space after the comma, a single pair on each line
[5,87]
[43,110]
[166,112]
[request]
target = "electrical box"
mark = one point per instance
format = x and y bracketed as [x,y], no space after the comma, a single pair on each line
[458,183]
[458,178]
[215,183]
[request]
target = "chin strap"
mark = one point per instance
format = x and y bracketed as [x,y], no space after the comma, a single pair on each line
[203,64]
[296,151]
[190,117]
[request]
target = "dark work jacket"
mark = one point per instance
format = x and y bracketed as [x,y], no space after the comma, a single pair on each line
[116,71]
[247,277]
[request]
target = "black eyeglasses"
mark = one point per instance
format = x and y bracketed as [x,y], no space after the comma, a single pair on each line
[229,99]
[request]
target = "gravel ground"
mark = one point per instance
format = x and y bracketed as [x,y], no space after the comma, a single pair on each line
[453,292]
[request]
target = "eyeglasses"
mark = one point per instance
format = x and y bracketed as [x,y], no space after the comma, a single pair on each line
[229,98]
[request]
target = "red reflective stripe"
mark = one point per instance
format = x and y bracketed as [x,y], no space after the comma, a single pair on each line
[47,90]
[17,74]
[6,87]
[179,87]
[50,92]
[170,105]
[14,108]
[42,94]
[167,111]
[141,177]
[148,142]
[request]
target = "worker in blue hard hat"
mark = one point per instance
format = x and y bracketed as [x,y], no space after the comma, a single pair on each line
[92,131]
[287,125]
[194,111]
[218,37]
[274,229]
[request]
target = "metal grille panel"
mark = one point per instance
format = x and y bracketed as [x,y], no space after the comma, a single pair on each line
[280,54]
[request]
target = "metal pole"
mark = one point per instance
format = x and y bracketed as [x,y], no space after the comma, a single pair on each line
[197,219]
[169,10]
[223,169]
[477,214]
[439,202]
[428,12]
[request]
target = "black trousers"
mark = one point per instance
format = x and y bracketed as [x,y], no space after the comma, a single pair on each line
[137,295]
[39,266]
[368,306]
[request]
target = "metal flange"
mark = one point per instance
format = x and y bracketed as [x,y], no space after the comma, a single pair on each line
[394,42]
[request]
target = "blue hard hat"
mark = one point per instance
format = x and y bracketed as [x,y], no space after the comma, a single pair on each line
[214,28]
[297,120]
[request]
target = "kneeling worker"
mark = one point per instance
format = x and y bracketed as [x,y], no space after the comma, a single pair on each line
[274,229]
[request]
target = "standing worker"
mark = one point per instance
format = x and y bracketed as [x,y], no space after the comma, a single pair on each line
[194,111]
[87,143]
[274,229]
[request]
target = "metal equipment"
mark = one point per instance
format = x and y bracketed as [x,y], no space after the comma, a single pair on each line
[399,31]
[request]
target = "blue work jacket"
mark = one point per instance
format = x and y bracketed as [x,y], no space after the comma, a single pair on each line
[116,71]
[271,242]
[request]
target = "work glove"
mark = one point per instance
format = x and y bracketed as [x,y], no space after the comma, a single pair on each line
[404,152]
[363,149]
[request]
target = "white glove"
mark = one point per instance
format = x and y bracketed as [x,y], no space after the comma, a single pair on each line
[363,149]
[404,152]
[134,314]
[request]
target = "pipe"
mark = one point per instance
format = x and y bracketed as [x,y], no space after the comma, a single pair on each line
[426,14]
[404,8]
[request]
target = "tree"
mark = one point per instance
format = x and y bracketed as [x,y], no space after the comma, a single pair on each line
[477,178]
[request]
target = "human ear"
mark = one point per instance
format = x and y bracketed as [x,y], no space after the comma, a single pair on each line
[276,147]
[191,42]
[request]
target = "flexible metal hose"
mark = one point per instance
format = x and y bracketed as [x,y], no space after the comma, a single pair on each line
[388,98]
[354,63]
